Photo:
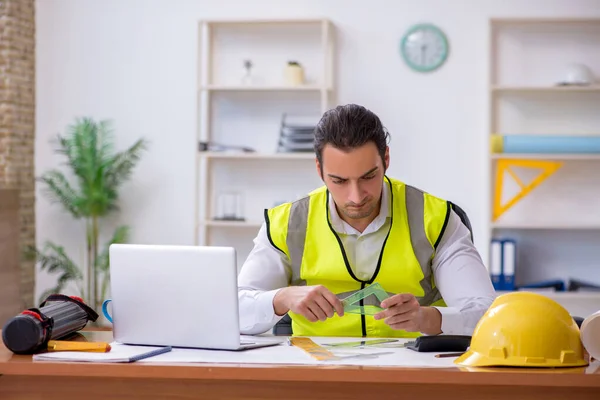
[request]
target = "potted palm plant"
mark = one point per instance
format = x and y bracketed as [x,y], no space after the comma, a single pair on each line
[99,171]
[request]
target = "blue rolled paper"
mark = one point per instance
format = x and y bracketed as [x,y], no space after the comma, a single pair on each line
[551,144]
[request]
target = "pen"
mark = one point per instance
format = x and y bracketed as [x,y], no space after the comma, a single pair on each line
[446,355]
[62,345]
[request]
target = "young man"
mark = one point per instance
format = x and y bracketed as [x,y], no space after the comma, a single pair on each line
[361,228]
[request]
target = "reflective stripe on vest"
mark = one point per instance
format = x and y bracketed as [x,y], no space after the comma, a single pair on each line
[296,236]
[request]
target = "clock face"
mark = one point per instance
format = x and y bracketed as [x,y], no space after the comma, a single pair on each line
[424,47]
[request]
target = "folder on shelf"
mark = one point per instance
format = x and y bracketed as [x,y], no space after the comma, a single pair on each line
[509,261]
[496,263]
[503,259]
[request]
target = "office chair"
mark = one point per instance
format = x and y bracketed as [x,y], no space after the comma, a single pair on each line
[463,217]
[284,326]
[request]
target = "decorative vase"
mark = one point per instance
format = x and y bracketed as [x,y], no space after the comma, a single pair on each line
[294,74]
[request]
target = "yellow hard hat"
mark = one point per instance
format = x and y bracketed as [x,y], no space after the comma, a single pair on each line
[525,329]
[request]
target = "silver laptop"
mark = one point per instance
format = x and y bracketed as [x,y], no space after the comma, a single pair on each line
[179,296]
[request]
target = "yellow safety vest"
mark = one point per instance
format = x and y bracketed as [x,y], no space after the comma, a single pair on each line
[302,231]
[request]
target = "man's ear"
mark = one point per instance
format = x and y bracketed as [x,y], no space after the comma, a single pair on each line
[387,157]
[319,170]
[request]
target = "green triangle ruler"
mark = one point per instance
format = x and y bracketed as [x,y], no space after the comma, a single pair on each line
[351,307]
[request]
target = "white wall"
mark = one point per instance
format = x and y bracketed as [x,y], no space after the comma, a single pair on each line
[135,61]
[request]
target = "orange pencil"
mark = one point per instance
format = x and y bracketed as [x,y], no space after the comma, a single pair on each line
[62,345]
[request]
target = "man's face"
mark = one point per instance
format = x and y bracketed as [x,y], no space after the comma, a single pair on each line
[354,178]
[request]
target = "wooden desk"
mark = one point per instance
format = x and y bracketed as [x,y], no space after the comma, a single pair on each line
[20,378]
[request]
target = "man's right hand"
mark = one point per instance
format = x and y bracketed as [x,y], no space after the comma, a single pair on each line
[315,303]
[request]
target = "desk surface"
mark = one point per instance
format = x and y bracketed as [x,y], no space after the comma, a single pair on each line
[16,365]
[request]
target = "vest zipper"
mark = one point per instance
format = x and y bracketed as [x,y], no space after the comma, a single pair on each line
[363,321]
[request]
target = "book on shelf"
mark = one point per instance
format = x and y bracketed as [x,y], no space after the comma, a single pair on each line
[503,264]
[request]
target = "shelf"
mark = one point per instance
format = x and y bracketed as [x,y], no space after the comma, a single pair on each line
[234,224]
[542,21]
[259,156]
[546,156]
[544,89]
[251,22]
[544,226]
[266,88]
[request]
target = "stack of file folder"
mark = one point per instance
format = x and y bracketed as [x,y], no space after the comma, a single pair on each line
[503,264]
[296,134]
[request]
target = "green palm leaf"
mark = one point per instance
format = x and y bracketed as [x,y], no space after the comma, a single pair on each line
[59,190]
[54,259]
[120,167]
[121,235]
[76,146]
[53,290]
[83,146]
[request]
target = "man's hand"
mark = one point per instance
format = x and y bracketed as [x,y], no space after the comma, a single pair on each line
[315,303]
[403,311]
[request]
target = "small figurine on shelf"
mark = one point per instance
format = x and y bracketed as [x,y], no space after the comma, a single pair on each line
[294,74]
[247,78]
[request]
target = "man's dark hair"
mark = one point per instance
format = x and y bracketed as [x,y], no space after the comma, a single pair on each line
[348,127]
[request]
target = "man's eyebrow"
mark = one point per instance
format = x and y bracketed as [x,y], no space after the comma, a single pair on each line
[363,175]
[370,172]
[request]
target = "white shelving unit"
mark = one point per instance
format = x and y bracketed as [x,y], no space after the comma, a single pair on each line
[232,112]
[557,225]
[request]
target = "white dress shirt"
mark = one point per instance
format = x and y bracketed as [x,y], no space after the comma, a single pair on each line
[460,275]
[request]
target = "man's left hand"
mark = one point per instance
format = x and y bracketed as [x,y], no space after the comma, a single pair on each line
[403,311]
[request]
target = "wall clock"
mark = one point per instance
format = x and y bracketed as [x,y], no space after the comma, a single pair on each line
[424,47]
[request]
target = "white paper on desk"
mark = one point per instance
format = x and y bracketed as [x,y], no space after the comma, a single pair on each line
[119,353]
[284,354]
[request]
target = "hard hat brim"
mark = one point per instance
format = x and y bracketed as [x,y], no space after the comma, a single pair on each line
[473,359]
